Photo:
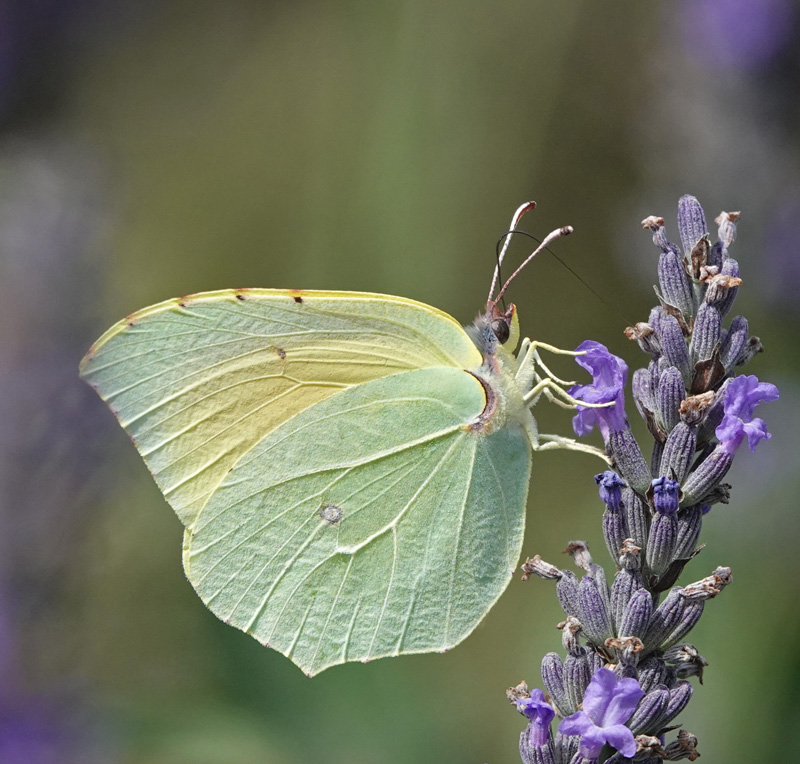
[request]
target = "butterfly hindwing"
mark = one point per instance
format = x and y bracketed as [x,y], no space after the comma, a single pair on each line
[376,522]
[197,382]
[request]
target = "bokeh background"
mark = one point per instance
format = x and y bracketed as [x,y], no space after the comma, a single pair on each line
[154,148]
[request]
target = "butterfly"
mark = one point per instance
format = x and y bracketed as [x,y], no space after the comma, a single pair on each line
[351,469]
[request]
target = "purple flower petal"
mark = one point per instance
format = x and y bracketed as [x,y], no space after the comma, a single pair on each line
[536,708]
[666,495]
[598,696]
[609,375]
[577,724]
[621,738]
[592,742]
[626,697]
[607,704]
[742,396]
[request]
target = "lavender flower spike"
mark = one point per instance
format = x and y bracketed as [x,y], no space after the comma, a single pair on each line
[607,704]
[624,679]
[609,374]
[742,396]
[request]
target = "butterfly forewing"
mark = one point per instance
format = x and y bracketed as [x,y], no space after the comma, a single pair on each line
[376,522]
[198,382]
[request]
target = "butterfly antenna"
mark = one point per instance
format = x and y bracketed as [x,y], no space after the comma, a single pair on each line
[589,287]
[552,236]
[506,239]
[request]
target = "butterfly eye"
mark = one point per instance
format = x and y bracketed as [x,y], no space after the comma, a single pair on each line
[501,330]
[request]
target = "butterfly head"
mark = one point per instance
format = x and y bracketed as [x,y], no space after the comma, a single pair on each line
[495,326]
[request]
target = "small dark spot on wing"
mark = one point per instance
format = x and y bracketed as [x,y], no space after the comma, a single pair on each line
[240,297]
[281,352]
[296,295]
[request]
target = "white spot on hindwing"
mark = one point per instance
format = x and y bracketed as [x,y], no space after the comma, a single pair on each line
[331,514]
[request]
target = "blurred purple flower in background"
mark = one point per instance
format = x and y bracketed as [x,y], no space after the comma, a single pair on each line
[51,214]
[781,269]
[737,34]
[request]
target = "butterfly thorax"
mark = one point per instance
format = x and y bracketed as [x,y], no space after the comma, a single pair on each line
[495,334]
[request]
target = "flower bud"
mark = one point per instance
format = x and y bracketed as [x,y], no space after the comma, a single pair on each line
[678,453]
[665,494]
[637,517]
[674,348]
[652,708]
[691,222]
[532,753]
[706,333]
[614,528]
[679,697]
[610,485]
[690,615]
[671,392]
[653,671]
[709,587]
[536,566]
[593,614]
[729,268]
[642,396]
[661,543]
[553,678]
[674,280]
[665,619]
[718,288]
[581,556]
[627,455]
[626,582]
[578,670]
[690,520]
[637,614]
[644,334]
[685,747]
[707,475]
[727,228]
[734,344]
[566,748]
[686,660]
[571,629]
[567,592]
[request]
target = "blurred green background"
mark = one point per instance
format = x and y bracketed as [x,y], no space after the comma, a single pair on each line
[156,148]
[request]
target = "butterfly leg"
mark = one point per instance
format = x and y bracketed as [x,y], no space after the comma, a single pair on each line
[529,360]
[552,442]
[537,360]
[546,385]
